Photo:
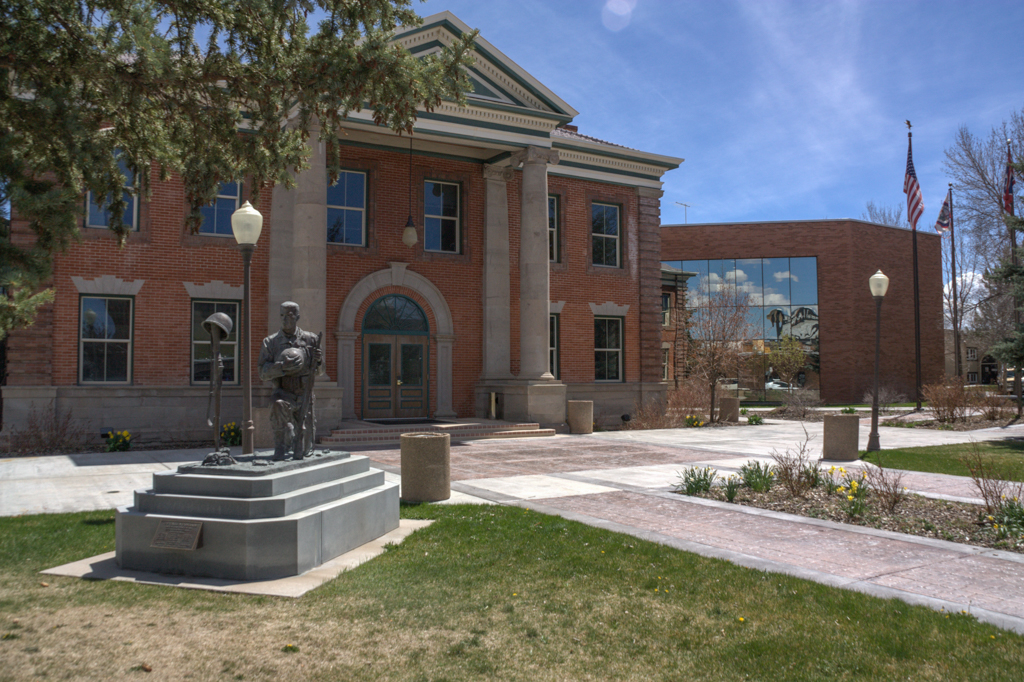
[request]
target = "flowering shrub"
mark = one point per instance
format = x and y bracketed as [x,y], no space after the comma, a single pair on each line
[230,434]
[693,421]
[118,441]
[731,486]
[856,491]
[848,410]
[757,476]
[1008,520]
[693,480]
[755,420]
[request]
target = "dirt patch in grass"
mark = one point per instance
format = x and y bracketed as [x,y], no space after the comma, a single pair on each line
[916,515]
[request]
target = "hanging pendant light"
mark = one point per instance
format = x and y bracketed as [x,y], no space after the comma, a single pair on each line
[409,236]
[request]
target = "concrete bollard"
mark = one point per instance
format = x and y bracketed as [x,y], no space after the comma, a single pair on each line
[426,467]
[729,410]
[841,434]
[580,415]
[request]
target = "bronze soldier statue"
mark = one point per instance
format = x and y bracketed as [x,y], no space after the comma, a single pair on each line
[291,359]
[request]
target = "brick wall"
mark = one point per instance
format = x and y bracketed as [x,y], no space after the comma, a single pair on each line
[848,253]
[164,256]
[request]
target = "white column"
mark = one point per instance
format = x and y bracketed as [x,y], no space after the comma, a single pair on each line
[347,372]
[444,375]
[309,238]
[534,266]
[497,330]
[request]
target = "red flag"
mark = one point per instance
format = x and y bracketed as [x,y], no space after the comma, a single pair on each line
[915,202]
[1008,185]
[945,222]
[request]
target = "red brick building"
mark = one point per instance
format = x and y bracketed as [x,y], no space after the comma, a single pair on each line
[809,279]
[534,275]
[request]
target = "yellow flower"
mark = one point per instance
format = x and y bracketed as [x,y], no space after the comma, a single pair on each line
[741,619]
[849,497]
[842,470]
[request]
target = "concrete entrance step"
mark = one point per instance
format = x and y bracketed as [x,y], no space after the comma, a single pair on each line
[365,433]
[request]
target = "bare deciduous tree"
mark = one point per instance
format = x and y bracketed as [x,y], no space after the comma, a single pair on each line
[719,332]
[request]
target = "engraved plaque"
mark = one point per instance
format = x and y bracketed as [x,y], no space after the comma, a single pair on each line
[177,535]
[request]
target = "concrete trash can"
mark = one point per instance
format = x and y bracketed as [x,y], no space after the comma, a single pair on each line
[729,410]
[426,467]
[841,434]
[580,414]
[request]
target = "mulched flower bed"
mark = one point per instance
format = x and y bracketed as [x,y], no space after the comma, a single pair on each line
[909,420]
[916,515]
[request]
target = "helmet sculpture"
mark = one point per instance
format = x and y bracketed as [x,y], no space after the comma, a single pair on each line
[288,358]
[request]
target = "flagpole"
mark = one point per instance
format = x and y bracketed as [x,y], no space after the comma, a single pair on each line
[917,310]
[956,326]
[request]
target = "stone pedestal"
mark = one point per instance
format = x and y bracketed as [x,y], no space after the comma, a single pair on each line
[841,434]
[580,415]
[729,410]
[426,467]
[540,402]
[257,523]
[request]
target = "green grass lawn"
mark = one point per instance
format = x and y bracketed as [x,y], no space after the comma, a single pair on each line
[486,592]
[944,459]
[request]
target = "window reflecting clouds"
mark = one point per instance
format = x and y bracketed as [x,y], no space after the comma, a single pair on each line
[782,299]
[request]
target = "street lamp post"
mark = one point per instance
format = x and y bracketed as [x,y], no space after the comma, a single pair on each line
[878,284]
[246,224]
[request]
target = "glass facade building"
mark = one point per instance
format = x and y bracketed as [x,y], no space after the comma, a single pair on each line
[779,299]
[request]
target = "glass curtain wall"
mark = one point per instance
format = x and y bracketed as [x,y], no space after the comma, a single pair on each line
[779,296]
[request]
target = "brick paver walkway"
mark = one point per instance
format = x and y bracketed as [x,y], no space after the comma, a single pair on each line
[625,485]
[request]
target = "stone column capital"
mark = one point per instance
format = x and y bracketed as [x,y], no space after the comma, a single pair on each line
[498,173]
[534,155]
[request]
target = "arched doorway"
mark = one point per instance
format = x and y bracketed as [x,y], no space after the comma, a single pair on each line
[396,347]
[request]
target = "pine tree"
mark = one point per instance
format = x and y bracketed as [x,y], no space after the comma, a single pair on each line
[208,89]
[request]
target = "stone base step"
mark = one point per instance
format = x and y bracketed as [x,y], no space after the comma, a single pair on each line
[385,435]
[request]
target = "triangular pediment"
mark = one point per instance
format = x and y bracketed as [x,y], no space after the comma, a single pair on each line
[496,79]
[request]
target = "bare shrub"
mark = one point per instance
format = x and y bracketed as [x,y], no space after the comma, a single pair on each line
[991,405]
[887,485]
[650,414]
[948,402]
[796,469]
[691,396]
[990,480]
[887,397]
[49,430]
[800,402]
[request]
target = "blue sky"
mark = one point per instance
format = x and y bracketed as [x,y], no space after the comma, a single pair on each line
[782,110]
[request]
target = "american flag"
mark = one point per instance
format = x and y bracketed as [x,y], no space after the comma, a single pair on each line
[915,202]
[1008,185]
[945,221]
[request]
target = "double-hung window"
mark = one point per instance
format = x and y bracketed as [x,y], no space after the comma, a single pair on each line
[441,216]
[664,363]
[99,216]
[217,216]
[666,307]
[346,209]
[553,344]
[202,350]
[553,230]
[608,349]
[606,235]
[972,353]
[105,340]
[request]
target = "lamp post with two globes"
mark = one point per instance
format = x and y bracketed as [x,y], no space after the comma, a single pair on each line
[246,225]
[879,284]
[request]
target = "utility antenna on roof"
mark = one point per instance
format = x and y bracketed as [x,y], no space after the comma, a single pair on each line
[685,206]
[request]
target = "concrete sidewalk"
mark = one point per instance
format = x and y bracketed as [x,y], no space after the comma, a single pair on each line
[622,481]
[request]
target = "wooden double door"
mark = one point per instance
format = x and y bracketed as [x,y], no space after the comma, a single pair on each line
[395,371]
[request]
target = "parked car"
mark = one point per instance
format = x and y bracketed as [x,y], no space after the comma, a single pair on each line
[777,385]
